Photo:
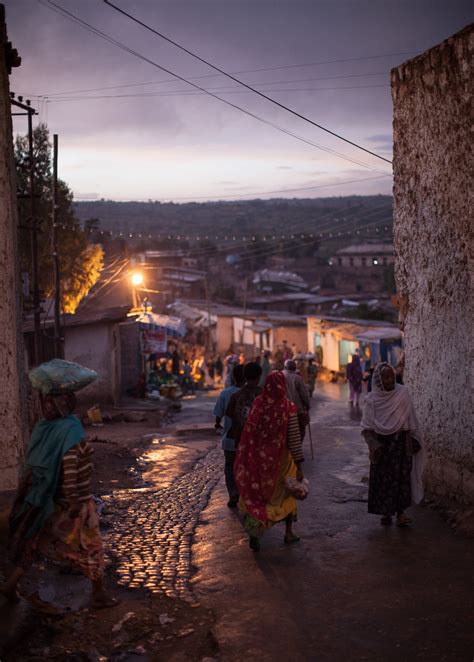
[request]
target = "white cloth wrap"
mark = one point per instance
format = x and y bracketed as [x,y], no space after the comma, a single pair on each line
[390,412]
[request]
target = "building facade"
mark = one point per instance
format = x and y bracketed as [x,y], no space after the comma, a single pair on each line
[432,96]
[12,411]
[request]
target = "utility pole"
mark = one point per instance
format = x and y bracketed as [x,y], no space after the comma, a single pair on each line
[208,302]
[34,244]
[58,350]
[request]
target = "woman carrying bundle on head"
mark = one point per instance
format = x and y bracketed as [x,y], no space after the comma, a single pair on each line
[269,453]
[54,514]
[391,430]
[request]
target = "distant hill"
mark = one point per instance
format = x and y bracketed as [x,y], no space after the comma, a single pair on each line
[246,217]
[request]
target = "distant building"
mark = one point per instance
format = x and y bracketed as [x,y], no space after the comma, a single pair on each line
[365,255]
[270,281]
[334,339]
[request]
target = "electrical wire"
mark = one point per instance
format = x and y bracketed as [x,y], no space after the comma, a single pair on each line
[242,71]
[56,8]
[313,234]
[240,82]
[258,194]
[218,87]
[189,93]
[324,223]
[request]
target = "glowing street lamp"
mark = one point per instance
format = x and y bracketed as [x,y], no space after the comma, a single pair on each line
[137,279]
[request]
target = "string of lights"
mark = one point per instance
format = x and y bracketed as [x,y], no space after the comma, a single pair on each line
[233,238]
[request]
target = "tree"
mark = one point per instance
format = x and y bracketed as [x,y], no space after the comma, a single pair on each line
[80,261]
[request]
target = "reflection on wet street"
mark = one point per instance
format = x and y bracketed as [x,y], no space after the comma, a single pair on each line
[152,537]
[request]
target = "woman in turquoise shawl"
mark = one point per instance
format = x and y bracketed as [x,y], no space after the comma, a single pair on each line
[49,519]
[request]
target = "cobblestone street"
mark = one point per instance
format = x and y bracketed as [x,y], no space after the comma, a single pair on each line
[152,540]
[152,534]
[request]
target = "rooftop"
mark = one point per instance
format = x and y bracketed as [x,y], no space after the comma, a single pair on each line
[272,276]
[367,249]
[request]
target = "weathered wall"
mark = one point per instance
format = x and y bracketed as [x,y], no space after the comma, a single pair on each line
[12,435]
[129,362]
[294,335]
[94,346]
[433,244]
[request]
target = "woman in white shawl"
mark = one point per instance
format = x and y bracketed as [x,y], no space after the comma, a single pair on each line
[391,430]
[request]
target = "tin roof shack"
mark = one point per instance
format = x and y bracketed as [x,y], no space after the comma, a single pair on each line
[365,255]
[255,332]
[268,280]
[360,268]
[201,323]
[92,339]
[334,339]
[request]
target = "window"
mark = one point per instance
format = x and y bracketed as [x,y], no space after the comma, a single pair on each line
[339,261]
[351,261]
[364,261]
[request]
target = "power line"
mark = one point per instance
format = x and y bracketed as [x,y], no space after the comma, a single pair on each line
[54,7]
[244,195]
[314,234]
[242,71]
[237,80]
[322,224]
[187,93]
[218,87]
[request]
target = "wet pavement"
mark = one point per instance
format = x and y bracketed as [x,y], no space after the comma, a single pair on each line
[350,589]
[153,526]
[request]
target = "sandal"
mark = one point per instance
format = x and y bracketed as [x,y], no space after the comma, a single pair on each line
[386,520]
[289,540]
[404,520]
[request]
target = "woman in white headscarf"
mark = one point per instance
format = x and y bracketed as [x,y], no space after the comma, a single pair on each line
[391,430]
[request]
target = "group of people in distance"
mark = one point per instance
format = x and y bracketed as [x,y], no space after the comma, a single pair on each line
[262,433]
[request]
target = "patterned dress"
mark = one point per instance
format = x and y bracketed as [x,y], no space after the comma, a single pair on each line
[390,476]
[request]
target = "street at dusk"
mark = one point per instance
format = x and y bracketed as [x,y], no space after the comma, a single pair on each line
[236,330]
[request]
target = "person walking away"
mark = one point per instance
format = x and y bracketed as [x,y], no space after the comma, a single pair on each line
[188,381]
[241,402]
[230,361]
[298,394]
[219,369]
[287,352]
[278,359]
[391,431]
[175,362]
[269,452]
[354,377]
[266,368]
[312,375]
[54,514]
[228,444]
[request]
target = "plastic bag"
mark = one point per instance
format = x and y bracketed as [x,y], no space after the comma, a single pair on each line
[58,376]
[298,490]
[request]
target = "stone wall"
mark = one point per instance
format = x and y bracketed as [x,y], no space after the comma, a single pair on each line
[12,436]
[433,166]
[129,356]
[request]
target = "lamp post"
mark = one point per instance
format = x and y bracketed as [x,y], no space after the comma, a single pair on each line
[137,280]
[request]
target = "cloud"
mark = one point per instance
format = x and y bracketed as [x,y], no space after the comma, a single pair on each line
[284,167]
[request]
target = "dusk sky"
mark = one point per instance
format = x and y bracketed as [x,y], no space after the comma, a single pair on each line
[138,143]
